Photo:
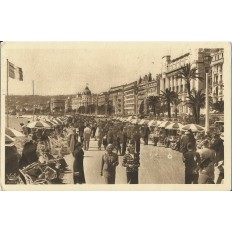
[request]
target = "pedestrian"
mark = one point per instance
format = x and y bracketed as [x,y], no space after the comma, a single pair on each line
[124,140]
[29,154]
[146,134]
[110,136]
[218,147]
[118,143]
[191,160]
[81,132]
[104,142]
[184,142]
[206,173]
[11,163]
[99,136]
[78,166]
[109,164]
[94,128]
[72,140]
[132,163]
[192,139]
[136,140]
[87,135]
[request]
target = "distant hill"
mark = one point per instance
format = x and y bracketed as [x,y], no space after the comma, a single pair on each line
[30,100]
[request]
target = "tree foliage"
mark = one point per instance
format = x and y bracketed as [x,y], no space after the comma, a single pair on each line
[187,73]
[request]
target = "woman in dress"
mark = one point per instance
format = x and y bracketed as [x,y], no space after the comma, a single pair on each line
[109,164]
[78,166]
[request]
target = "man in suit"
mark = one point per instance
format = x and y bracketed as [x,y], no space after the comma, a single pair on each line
[87,135]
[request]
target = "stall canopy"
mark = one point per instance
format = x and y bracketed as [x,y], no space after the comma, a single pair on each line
[193,127]
[174,126]
[13,133]
[164,124]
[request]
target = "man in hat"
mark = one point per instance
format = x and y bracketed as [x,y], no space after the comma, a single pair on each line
[191,159]
[11,163]
[87,135]
[146,134]
[206,174]
[29,154]
[184,142]
[124,140]
[218,147]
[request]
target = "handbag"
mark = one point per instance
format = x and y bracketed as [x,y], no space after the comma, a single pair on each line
[76,173]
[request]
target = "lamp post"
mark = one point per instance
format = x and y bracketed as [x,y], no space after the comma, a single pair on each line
[206,105]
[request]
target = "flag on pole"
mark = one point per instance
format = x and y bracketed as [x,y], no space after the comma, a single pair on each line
[15,72]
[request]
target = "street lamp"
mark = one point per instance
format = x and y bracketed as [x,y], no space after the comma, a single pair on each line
[206,104]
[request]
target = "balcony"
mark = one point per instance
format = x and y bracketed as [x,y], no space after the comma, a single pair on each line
[214,62]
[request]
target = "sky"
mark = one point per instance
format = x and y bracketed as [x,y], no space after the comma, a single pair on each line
[66,68]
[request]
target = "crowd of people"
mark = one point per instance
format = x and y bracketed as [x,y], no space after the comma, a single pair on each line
[203,154]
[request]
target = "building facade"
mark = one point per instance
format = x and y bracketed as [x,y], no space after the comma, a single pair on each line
[57,105]
[199,58]
[216,81]
[84,98]
[130,98]
[146,87]
[116,98]
[102,102]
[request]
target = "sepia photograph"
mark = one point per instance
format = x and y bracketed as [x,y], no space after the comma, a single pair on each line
[115,116]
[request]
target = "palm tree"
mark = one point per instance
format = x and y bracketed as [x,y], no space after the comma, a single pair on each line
[141,108]
[153,103]
[196,101]
[218,106]
[187,73]
[175,102]
[167,96]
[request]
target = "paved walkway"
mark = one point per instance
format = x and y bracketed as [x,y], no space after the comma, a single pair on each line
[158,165]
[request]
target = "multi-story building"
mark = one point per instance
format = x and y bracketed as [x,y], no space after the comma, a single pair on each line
[116,99]
[216,81]
[199,58]
[57,105]
[130,98]
[146,87]
[102,102]
[84,98]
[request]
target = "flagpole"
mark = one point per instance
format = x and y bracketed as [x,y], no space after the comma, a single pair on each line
[7,95]
[33,99]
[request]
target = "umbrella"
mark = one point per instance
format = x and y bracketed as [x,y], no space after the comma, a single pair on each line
[8,139]
[38,124]
[130,118]
[174,126]
[58,120]
[193,127]
[134,121]
[153,123]
[164,124]
[51,124]
[143,121]
[13,133]
[55,122]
